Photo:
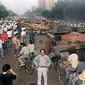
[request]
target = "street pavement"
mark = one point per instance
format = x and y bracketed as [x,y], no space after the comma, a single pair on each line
[23,77]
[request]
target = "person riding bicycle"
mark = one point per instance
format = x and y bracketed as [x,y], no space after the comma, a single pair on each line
[31,48]
[73,63]
[81,65]
[55,53]
[24,53]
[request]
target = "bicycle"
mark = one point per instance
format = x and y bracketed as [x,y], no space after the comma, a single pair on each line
[62,77]
[28,65]
[56,64]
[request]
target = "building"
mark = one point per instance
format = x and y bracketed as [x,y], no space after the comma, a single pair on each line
[45,4]
[41,4]
[49,4]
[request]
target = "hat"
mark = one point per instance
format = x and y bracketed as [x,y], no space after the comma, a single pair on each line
[82,76]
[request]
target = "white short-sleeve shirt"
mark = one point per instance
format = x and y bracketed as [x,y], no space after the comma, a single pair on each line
[73,59]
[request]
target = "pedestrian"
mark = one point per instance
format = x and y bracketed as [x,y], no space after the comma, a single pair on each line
[9,33]
[32,35]
[1,48]
[4,37]
[47,45]
[5,28]
[8,75]
[42,63]
[23,36]
[16,44]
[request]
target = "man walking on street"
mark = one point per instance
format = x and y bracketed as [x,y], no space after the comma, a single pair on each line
[32,35]
[16,44]
[42,63]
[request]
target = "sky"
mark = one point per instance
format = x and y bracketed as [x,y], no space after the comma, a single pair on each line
[19,6]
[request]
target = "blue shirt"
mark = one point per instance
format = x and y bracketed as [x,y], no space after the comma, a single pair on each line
[36,61]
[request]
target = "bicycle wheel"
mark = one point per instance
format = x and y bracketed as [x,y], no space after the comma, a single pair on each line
[62,79]
[29,67]
[60,68]
[18,67]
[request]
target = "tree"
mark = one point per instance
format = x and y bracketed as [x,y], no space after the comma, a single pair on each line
[46,14]
[3,11]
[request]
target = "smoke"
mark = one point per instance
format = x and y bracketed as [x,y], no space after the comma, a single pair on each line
[73,9]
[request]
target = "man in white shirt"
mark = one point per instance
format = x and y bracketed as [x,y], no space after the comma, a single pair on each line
[5,28]
[1,48]
[9,33]
[24,54]
[73,61]
[31,48]
[23,36]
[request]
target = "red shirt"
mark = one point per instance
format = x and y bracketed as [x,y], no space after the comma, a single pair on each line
[4,37]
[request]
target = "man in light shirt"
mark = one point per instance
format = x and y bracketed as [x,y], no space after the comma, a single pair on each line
[9,33]
[73,61]
[24,53]
[31,48]
[23,36]
[42,63]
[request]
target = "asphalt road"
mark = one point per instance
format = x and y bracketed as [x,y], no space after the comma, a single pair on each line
[23,77]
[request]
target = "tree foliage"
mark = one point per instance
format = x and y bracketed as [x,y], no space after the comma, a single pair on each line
[3,11]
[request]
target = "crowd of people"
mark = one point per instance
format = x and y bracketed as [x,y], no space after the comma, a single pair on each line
[12,36]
